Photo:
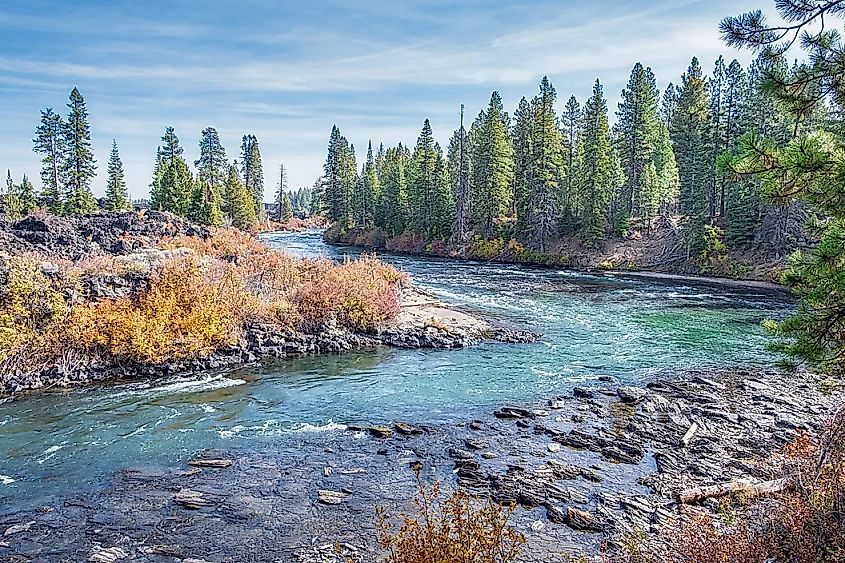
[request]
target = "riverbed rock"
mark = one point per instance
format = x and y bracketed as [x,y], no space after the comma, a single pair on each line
[513,413]
[18,528]
[583,521]
[407,429]
[629,394]
[106,554]
[380,431]
[332,497]
[193,500]
[214,463]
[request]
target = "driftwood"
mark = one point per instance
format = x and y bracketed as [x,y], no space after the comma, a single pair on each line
[689,434]
[745,487]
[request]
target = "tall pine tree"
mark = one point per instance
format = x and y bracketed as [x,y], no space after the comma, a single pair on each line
[117,198]
[49,142]
[79,163]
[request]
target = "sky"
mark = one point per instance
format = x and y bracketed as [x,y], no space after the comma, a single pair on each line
[287,71]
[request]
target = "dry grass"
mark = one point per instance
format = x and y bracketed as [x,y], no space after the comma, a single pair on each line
[449,529]
[199,298]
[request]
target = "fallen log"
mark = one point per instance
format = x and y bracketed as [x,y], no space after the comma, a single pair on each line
[745,487]
[689,434]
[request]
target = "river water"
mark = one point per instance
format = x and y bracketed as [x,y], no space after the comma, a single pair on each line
[592,325]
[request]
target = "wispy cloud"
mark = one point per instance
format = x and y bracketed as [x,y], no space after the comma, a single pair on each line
[287,71]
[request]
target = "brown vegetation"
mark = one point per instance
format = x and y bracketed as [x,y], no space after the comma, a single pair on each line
[197,296]
[454,529]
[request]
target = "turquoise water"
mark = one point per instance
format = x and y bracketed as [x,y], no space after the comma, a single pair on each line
[592,325]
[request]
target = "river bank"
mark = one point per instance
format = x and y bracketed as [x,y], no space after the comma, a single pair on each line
[214,298]
[657,253]
[584,469]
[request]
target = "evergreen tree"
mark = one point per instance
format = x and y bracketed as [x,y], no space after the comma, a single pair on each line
[669,104]
[117,198]
[689,130]
[9,200]
[571,120]
[667,174]
[281,195]
[594,168]
[716,87]
[523,162]
[173,181]
[395,191]
[546,168]
[238,201]
[492,167]
[79,163]
[809,166]
[50,143]
[459,178]
[421,188]
[443,201]
[26,196]
[637,128]
[348,181]
[204,206]
[253,171]
[206,203]
[371,193]
[339,179]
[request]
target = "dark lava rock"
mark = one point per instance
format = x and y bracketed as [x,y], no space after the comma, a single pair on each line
[583,393]
[583,521]
[407,429]
[631,394]
[513,412]
[380,431]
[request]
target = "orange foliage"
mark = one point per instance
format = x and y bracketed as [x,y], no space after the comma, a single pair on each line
[456,529]
[184,314]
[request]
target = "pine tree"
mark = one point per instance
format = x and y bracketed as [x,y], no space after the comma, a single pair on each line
[443,204]
[523,166]
[492,167]
[637,130]
[669,104]
[9,200]
[421,183]
[689,131]
[211,165]
[371,192]
[349,184]
[50,143]
[281,194]
[204,207]
[253,171]
[546,169]
[571,121]
[395,191]
[459,178]
[117,198]
[594,168]
[26,196]
[238,201]
[79,163]
[667,173]
[173,181]
[716,86]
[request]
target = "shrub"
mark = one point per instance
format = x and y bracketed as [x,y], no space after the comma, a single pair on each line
[185,313]
[457,529]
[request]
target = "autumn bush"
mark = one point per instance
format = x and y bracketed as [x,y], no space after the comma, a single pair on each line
[449,529]
[196,298]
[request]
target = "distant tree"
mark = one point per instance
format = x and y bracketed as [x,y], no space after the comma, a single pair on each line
[9,199]
[523,165]
[459,163]
[26,196]
[546,168]
[117,198]
[211,165]
[204,207]
[173,181]
[79,163]
[371,193]
[689,132]
[253,171]
[286,212]
[594,168]
[492,166]
[50,143]
[238,202]
[571,121]
[281,194]
[421,188]
[395,186]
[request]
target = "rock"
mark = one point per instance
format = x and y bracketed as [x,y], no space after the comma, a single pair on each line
[583,393]
[18,528]
[555,514]
[557,404]
[193,500]
[216,463]
[476,425]
[380,431]
[166,550]
[106,555]
[407,429]
[582,521]
[354,471]
[474,444]
[332,497]
[513,412]
[489,455]
[540,412]
[554,447]
[537,525]
[631,394]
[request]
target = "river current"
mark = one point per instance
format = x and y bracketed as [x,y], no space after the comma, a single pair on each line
[592,325]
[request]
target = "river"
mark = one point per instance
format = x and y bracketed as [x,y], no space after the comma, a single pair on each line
[592,325]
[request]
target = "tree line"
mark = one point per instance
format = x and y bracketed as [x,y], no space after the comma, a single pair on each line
[215,192]
[538,175]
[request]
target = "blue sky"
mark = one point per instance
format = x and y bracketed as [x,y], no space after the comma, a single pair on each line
[286,71]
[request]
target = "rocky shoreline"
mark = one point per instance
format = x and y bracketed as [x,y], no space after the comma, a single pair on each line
[588,469]
[423,323]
